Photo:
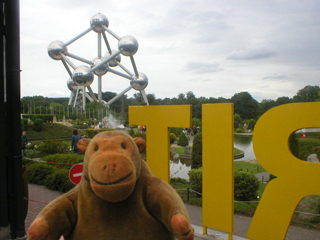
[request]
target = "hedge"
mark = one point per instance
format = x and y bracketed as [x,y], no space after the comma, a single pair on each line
[195,178]
[90,133]
[53,176]
[44,117]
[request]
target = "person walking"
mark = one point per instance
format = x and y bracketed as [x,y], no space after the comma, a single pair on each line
[74,141]
[24,142]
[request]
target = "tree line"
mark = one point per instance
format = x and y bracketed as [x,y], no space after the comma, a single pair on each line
[244,104]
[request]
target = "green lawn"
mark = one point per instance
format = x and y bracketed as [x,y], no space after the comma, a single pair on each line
[51,131]
[180,150]
[249,167]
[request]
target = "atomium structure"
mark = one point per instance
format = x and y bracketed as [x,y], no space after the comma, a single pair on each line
[81,77]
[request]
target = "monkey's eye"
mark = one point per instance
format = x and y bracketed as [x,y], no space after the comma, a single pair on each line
[123,146]
[96,148]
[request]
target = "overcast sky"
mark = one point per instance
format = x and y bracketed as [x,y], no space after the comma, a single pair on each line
[269,48]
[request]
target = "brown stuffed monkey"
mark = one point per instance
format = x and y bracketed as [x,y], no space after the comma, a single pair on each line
[118,198]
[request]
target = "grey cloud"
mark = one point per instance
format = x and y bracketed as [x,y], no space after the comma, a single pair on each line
[276,76]
[252,54]
[201,67]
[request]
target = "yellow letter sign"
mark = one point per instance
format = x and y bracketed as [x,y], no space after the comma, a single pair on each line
[217,167]
[295,180]
[157,120]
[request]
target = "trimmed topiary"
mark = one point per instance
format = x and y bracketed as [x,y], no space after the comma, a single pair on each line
[246,186]
[183,140]
[173,138]
[38,125]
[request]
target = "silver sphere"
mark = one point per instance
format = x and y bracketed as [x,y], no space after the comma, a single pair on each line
[82,76]
[128,45]
[98,21]
[139,83]
[101,70]
[113,62]
[55,48]
[71,85]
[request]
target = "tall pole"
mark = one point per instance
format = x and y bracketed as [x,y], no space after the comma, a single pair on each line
[16,202]
[4,216]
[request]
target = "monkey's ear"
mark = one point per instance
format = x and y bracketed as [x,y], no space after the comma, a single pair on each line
[141,144]
[83,144]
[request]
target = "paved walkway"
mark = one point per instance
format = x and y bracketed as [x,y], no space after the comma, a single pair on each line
[39,196]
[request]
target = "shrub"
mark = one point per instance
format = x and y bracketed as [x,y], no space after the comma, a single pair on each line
[252,123]
[176,131]
[239,130]
[183,140]
[131,132]
[178,180]
[83,126]
[38,172]
[246,186]
[44,117]
[24,124]
[90,133]
[52,146]
[24,121]
[173,138]
[307,146]
[197,151]
[272,177]
[64,158]
[38,125]
[294,145]
[237,120]
[34,145]
[59,180]
[245,208]
[195,178]
[140,135]
[196,122]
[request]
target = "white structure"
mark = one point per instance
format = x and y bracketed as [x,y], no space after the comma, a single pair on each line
[82,76]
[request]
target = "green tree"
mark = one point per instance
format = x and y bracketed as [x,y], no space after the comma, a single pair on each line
[151,98]
[307,94]
[283,100]
[252,123]
[190,95]
[181,96]
[183,140]
[237,120]
[265,105]
[196,156]
[196,122]
[245,105]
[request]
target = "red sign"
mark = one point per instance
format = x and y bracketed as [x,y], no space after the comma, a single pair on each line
[75,173]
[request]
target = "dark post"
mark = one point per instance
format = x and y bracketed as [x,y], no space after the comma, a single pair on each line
[13,123]
[4,219]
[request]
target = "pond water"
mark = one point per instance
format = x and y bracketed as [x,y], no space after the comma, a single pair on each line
[181,167]
[244,143]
